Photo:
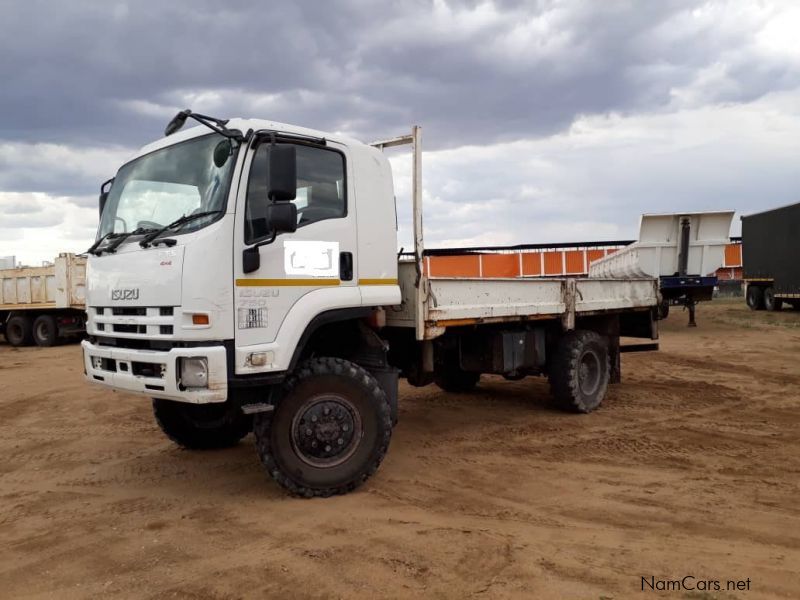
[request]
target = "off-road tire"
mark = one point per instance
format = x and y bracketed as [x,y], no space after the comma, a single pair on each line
[771,303]
[755,297]
[579,371]
[45,331]
[314,383]
[18,331]
[452,379]
[202,426]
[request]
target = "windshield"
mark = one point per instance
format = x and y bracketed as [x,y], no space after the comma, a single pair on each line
[160,187]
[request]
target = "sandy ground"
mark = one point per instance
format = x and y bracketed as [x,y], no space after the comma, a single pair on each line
[691,467]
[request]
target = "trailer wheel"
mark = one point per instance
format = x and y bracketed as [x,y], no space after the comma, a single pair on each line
[755,297]
[202,426]
[329,431]
[18,331]
[579,371]
[45,331]
[663,310]
[772,303]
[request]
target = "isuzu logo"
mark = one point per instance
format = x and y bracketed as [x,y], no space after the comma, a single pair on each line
[125,294]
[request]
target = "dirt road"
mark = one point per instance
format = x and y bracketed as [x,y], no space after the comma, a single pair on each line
[692,467]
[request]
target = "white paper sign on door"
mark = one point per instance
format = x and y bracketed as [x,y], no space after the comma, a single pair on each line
[311,259]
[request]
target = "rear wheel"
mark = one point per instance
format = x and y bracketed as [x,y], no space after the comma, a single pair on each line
[45,331]
[772,303]
[329,431]
[579,371]
[202,426]
[755,297]
[18,331]
[450,377]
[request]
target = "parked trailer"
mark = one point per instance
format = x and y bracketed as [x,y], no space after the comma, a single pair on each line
[770,252]
[272,299]
[683,250]
[44,305]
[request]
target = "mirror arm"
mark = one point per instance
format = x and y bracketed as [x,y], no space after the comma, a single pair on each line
[218,125]
[266,242]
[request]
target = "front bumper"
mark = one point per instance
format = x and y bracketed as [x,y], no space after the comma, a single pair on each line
[154,373]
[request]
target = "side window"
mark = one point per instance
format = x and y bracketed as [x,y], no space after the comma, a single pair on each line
[320,189]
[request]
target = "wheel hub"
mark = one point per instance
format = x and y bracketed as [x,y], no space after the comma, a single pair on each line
[589,373]
[326,431]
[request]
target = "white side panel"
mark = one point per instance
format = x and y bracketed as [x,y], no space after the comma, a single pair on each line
[377,221]
[614,294]
[404,315]
[58,284]
[453,299]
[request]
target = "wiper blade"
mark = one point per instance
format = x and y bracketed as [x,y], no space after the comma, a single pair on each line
[93,248]
[176,223]
[118,239]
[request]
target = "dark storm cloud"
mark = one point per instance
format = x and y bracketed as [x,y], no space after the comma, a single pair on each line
[472,70]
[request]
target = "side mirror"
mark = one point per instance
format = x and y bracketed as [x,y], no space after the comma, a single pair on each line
[251,259]
[281,218]
[104,189]
[282,182]
[177,122]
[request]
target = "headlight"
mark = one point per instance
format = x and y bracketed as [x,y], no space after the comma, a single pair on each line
[194,372]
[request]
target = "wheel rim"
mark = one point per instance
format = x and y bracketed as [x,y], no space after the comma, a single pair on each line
[589,373]
[326,431]
[42,331]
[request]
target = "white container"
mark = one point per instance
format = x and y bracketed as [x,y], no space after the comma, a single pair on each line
[60,285]
[657,252]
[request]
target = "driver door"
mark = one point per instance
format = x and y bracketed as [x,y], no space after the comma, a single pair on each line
[296,267]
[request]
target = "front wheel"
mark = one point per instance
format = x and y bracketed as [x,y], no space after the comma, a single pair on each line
[202,426]
[329,431]
[579,371]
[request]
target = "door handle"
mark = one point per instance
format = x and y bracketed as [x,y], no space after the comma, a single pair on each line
[346,266]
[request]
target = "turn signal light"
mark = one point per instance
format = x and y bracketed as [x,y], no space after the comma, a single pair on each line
[200,320]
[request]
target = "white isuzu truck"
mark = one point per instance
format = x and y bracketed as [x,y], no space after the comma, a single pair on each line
[246,277]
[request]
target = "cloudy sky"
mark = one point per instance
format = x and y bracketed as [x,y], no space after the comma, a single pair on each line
[543,121]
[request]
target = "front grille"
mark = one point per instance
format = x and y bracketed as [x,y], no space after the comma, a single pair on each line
[130,329]
[126,311]
[131,322]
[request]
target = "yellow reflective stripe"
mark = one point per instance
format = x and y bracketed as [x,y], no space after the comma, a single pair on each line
[384,281]
[286,282]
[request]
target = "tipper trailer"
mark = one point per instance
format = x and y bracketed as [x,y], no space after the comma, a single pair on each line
[684,250]
[247,278]
[770,252]
[43,305]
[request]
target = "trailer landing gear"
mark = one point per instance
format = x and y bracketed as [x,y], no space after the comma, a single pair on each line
[691,304]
